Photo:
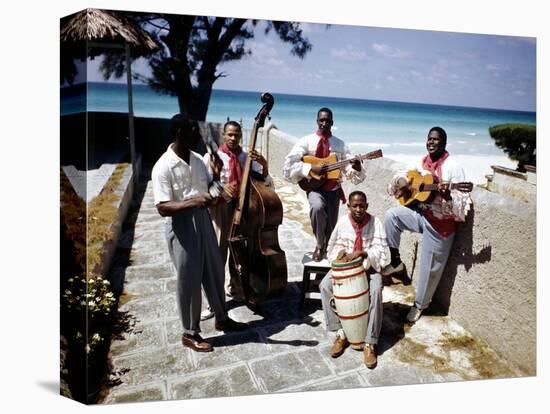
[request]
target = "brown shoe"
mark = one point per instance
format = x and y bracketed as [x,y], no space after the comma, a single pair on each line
[318,254]
[369,354]
[196,343]
[229,325]
[338,347]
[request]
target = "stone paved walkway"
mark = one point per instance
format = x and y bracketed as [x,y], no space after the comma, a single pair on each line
[284,349]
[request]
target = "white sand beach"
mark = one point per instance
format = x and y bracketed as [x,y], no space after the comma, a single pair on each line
[476,167]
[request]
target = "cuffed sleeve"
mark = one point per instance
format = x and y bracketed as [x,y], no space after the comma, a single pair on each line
[461,202]
[378,251]
[356,177]
[294,169]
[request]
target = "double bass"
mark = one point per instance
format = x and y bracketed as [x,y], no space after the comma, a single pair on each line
[254,248]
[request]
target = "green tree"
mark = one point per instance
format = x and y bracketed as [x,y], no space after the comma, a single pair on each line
[519,141]
[192,47]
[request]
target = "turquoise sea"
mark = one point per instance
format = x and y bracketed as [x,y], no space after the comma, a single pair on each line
[396,127]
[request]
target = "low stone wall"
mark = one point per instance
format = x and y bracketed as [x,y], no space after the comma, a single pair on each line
[521,186]
[125,193]
[489,284]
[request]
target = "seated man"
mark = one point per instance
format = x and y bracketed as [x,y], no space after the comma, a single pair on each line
[358,234]
[435,218]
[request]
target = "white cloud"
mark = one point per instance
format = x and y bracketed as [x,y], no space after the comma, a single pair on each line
[390,78]
[388,51]
[349,53]
[519,92]
[262,50]
[274,62]
[312,27]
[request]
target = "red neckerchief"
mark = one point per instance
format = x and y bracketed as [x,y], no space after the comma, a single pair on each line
[434,167]
[358,227]
[235,169]
[323,149]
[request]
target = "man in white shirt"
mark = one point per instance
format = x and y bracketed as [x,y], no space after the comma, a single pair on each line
[180,187]
[324,202]
[232,157]
[358,234]
[436,220]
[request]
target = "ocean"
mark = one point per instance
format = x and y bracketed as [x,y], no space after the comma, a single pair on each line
[395,127]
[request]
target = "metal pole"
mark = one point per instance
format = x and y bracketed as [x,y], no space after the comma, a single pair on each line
[131,119]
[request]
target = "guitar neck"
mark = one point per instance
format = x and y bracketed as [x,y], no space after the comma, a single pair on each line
[339,164]
[435,187]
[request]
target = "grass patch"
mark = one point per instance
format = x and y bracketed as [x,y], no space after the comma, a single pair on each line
[102,213]
[412,352]
[88,306]
[483,360]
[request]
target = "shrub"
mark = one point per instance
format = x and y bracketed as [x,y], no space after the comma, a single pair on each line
[88,305]
[519,141]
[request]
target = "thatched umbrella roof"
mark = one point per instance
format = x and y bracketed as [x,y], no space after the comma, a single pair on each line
[102,25]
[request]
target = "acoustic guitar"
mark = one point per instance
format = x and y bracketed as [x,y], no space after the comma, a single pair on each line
[331,168]
[421,187]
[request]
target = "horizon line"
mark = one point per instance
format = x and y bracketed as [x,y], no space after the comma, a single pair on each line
[324,96]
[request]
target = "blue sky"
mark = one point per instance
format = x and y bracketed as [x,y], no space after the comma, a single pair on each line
[389,64]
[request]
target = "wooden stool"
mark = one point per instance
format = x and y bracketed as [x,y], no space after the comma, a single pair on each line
[310,288]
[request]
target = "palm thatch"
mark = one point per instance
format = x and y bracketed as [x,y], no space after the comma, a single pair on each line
[102,25]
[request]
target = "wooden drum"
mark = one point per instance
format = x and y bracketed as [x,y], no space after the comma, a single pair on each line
[351,299]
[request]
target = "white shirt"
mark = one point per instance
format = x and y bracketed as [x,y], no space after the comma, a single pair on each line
[451,172]
[374,242]
[294,169]
[175,180]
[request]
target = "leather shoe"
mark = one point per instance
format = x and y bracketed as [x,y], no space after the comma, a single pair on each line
[207,314]
[317,254]
[391,269]
[229,325]
[403,277]
[369,355]
[413,315]
[196,343]
[338,347]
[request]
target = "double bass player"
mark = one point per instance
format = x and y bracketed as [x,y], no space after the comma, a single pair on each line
[232,158]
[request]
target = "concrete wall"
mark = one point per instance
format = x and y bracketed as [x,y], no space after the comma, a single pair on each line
[521,186]
[125,193]
[489,284]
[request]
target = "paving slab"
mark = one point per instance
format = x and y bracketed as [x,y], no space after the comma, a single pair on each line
[285,348]
[288,370]
[234,381]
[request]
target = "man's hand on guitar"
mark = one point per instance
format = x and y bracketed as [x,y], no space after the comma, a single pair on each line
[403,190]
[320,169]
[445,190]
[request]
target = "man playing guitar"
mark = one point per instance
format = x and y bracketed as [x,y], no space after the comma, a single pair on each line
[435,218]
[324,201]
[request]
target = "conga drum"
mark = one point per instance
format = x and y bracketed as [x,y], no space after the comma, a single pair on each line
[350,289]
